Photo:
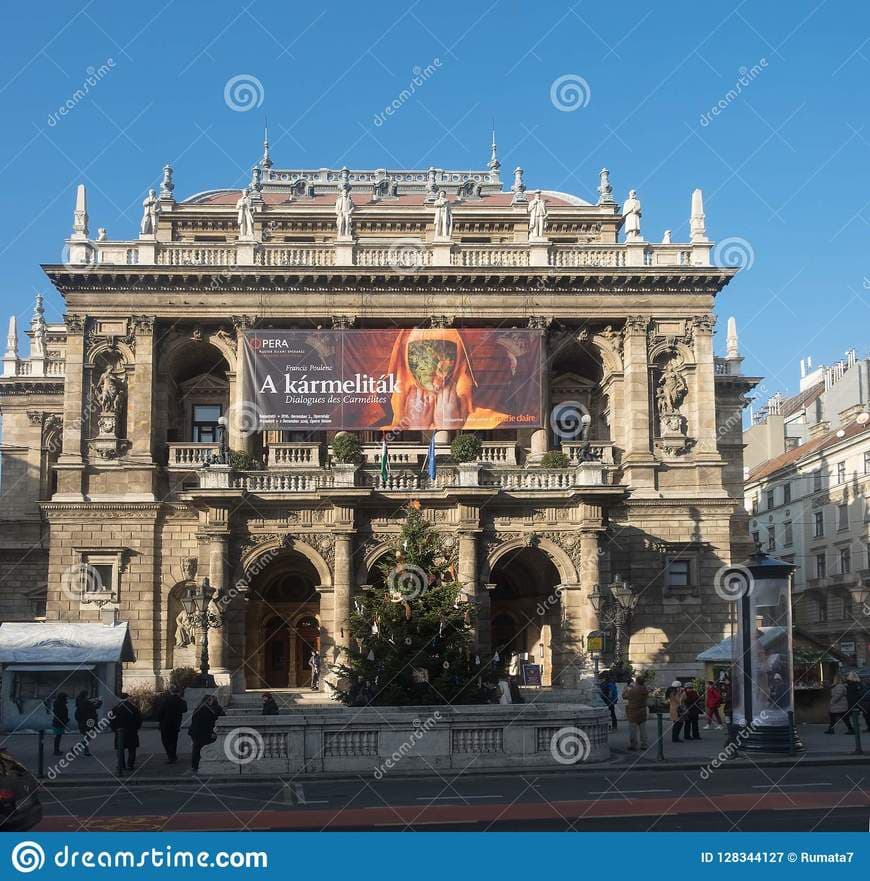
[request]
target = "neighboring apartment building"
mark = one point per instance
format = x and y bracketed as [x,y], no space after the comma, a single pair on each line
[809,503]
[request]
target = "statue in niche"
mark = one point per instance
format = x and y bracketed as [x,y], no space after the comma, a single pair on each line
[183,630]
[670,394]
[109,390]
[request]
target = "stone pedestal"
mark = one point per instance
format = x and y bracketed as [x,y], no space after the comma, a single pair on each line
[539,251]
[343,251]
[441,252]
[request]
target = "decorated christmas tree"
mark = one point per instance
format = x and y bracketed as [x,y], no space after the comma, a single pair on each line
[412,633]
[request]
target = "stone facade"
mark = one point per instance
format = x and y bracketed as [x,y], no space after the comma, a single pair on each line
[107,505]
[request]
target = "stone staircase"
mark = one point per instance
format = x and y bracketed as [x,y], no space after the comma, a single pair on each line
[250,703]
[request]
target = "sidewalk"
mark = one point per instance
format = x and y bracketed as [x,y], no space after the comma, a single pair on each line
[151,763]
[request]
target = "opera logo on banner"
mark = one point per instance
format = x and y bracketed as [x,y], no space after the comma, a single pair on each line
[420,379]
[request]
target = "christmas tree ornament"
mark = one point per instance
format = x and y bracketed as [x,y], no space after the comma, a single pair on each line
[477,660]
[496,658]
[408,640]
[446,665]
[371,655]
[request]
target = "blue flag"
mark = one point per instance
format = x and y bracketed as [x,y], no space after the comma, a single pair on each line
[430,458]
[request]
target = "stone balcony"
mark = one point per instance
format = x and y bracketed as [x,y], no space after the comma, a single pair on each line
[395,253]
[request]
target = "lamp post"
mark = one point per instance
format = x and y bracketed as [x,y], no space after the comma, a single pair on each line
[585,422]
[614,609]
[196,602]
[223,440]
[762,680]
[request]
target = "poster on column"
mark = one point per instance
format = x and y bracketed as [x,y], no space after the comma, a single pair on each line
[415,379]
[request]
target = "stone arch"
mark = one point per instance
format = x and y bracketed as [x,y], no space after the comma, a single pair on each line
[608,345]
[666,347]
[116,348]
[221,340]
[568,573]
[371,559]
[260,556]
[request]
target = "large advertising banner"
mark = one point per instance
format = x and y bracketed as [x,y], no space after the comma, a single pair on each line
[394,379]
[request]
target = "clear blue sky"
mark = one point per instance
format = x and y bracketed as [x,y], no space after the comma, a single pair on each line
[784,166]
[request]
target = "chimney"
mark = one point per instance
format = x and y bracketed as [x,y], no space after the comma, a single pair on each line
[817,429]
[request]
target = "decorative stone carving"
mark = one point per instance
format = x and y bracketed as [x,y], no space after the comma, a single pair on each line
[183,630]
[671,391]
[109,389]
[605,190]
[142,325]
[704,323]
[613,338]
[636,324]
[519,188]
[150,214]
[34,417]
[189,565]
[342,322]
[74,323]
[167,185]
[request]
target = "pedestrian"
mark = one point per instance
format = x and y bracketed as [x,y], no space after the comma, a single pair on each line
[169,716]
[864,704]
[126,720]
[838,706]
[610,695]
[270,708]
[676,706]
[314,664]
[201,729]
[636,696]
[86,717]
[712,702]
[59,719]
[854,694]
[692,713]
[504,689]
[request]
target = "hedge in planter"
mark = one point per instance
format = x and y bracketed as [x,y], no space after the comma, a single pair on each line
[466,448]
[555,459]
[346,449]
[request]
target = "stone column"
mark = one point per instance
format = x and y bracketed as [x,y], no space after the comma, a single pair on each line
[540,441]
[704,407]
[221,656]
[239,412]
[638,460]
[139,427]
[70,460]
[342,581]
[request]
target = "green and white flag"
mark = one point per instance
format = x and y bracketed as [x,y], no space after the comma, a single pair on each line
[385,461]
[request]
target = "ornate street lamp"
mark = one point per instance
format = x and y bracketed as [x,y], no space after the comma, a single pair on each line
[223,440]
[196,603]
[762,680]
[614,610]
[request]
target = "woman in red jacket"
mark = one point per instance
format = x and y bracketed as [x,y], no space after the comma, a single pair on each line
[712,703]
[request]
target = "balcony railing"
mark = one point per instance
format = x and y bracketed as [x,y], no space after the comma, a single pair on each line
[596,451]
[293,455]
[190,456]
[297,481]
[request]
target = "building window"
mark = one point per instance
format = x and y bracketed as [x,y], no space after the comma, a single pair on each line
[821,566]
[788,538]
[818,524]
[821,610]
[771,538]
[786,494]
[755,504]
[756,539]
[843,516]
[677,573]
[841,472]
[845,561]
[98,576]
[205,423]
[867,462]
[817,481]
[770,499]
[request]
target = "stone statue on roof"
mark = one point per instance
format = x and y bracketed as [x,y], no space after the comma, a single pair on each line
[245,213]
[344,213]
[150,213]
[443,216]
[632,212]
[537,217]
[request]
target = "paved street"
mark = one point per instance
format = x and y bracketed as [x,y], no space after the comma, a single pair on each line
[825,788]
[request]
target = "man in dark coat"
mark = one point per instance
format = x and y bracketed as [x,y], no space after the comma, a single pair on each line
[59,719]
[126,720]
[172,709]
[86,717]
[201,729]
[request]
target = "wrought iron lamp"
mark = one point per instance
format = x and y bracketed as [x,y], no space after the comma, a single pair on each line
[196,603]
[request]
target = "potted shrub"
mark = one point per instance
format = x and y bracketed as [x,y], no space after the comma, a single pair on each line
[465,451]
[346,456]
[555,459]
[239,460]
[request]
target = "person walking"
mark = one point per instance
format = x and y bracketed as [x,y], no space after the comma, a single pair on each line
[314,664]
[59,719]
[676,706]
[86,718]
[838,707]
[201,729]
[692,713]
[610,695]
[169,716]
[270,708]
[712,702]
[636,697]
[126,720]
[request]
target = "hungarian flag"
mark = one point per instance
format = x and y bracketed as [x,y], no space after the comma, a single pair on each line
[385,461]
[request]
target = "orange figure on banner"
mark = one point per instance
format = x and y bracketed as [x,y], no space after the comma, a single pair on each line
[436,383]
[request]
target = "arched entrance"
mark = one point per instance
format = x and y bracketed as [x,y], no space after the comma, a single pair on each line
[283,623]
[526,608]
